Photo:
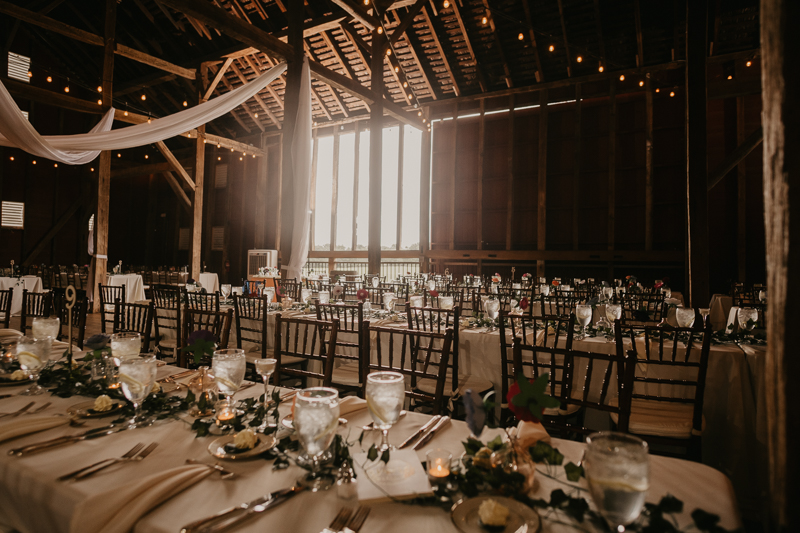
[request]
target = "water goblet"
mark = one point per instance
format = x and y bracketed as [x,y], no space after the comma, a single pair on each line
[305,295]
[685,317]
[748,317]
[269,292]
[137,377]
[385,394]
[544,289]
[492,308]
[584,315]
[228,367]
[704,312]
[388,301]
[225,289]
[608,292]
[431,284]
[618,471]
[316,419]
[125,345]
[613,312]
[33,355]
[265,369]
[44,327]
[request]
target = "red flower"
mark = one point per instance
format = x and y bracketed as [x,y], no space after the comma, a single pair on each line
[520,413]
[523,304]
[627,277]
[434,293]
[659,284]
[556,283]
[278,291]
[362,294]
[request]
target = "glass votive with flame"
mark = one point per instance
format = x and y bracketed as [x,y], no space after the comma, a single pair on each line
[224,412]
[438,462]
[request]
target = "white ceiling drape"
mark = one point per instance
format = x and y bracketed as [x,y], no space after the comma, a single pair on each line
[16,131]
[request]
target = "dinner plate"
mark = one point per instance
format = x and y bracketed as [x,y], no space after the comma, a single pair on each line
[217,447]
[521,518]
[11,383]
[83,409]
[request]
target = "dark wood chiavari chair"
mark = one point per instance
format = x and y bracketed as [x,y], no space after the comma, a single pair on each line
[376,295]
[167,320]
[643,306]
[434,301]
[6,297]
[217,322]
[108,295]
[353,336]
[419,355]
[79,313]
[287,287]
[400,290]
[559,304]
[34,304]
[135,318]
[668,384]
[549,332]
[306,340]
[201,301]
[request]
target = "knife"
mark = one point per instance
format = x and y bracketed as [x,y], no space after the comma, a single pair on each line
[429,435]
[419,432]
[88,435]
[222,521]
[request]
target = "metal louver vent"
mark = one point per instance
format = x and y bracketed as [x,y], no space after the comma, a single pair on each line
[18,67]
[184,238]
[221,177]
[12,215]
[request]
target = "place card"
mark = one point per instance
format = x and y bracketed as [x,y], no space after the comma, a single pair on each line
[402,478]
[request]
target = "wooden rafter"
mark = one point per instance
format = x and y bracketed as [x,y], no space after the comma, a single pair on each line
[243,105]
[407,21]
[251,60]
[257,98]
[144,81]
[333,44]
[468,42]
[359,13]
[175,164]
[438,44]
[424,69]
[496,35]
[338,100]
[532,34]
[50,24]
[217,78]
[564,33]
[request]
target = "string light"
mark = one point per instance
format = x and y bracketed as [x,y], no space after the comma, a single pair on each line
[231,149]
[12,158]
[601,68]
[146,156]
[366,2]
[240,159]
[91,169]
[672,94]
[658,90]
[34,161]
[126,113]
[99,88]
[30,74]
[99,102]
[380,30]
[397,69]
[255,115]
[405,84]
[484,20]
[749,63]
[419,113]
[520,36]
[144,97]
[55,165]
[185,103]
[446,4]
[119,155]
[552,48]
[622,77]
[579,59]
[49,79]
[219,158]
[641,84]
[148,120]
[388,51]
[66,89]
[730,77]
[219,145]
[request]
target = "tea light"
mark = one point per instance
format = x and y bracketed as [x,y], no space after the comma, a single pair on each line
[438,461]
[224,412]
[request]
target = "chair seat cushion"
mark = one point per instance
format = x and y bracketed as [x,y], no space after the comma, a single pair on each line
[347,374]
[660,419]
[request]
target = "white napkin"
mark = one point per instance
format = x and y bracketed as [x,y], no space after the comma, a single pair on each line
[118,511]
[529,433]
[733,319]
[351,404]
[9,333]
[24,425]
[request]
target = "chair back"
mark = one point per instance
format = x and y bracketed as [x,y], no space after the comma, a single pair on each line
[167,315]
[34,304]
[643,306]
[670,364]
[201,301]
[250,315]
[418,355]
[308,340]
[6,297]
[108,295]
[287,287]
[135,318]
[356,338]
[79,313]
[559,304]
[166,298]
[217,322]
[438,321]
[433,301]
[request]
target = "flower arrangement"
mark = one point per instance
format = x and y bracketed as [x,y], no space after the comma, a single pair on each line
[268,272]
[496,278]
[524,303]
[556,283]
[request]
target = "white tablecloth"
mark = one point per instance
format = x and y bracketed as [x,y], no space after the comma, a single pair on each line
[31,283]
[32,501]
[209,281]
[134,286]
[720,309]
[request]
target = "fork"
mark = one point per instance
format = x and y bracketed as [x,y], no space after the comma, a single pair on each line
[17,413]
[42,408]
[130,453]
[338,521]
[357,520]
[144,453]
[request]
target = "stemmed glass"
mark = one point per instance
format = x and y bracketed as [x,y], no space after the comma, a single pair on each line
[685,317]
[324,297]
[608,292]
[388,301]
[32,355]
[125,345]
[228,367]
[584,315]
[544,289]
[618,470]
[226,291]
[385,394]
[305,294]
[704,312]
[613,312]
[492,308]
[265,368]
[316,419]
[269,292]
[46,327]
[137,377]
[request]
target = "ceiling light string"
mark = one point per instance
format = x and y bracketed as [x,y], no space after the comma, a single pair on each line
[411,94]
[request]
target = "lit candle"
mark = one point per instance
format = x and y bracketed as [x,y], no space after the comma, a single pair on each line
[438,469]
[438,461]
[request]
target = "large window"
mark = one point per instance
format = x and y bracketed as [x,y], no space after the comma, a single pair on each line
[340,200]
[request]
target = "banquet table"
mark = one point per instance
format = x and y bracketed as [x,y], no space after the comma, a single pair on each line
[31,500]
[208,280]
[134,286]
[31,283]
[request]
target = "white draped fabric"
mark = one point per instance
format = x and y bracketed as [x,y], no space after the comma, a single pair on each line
[16,131]
[301,166]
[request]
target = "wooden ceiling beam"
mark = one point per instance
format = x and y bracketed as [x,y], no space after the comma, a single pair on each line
[232,26]
[359,13]
[338,100]
[176,165]
[217,78]
[321,104]
[333,44]
[414,48]
[481,79]
[257,70]
[439,47]
[407,21]
[532,34]
[639,46]
[564,33]
[257,98]
[600,40]
[145,81]
[506,69]
[50,24]
[243,106]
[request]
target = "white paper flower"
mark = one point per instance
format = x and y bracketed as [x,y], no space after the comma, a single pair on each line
[103,403]
[19,375]
[245,440]
[492,513]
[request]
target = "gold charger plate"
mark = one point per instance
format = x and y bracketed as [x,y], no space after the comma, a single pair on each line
[82,410]
[521,518]
[217,447]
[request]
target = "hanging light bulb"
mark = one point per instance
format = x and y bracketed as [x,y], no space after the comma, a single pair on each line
[99,88]
[119,155]
[30,74]
[219,145]
[231,149]
[240,159]
[366,2]
[219,158]
[49,79]
[388,51]
[658,90]
[126,113]
[405,84]
[144,97]
[622,77]
[255,115]
[579,59]
[748,64]
[146,156]
[419,113]
[484,20]
[55,165]
[552,48]
[380,30]
[66,89]
[520,36]
[397,69]
[148,120]
[12,158]
[34,161]
[601,68]
[91,169]
[185,103]
[99,102]
[672,94]
[641,83]
[446,4]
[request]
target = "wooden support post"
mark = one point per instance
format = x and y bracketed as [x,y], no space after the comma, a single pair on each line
[195,256]
[576,168]
[741,200]
[261,198]
[452,232]
[541,210]
[100,259]
[479,192]
[780,53]
[510,200]
[425,199]
[612,160]
[376,154]
[292,98]
[648,166]
[696,153]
